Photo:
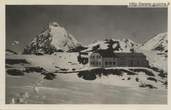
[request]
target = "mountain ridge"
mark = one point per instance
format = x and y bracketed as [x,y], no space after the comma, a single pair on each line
[118,45]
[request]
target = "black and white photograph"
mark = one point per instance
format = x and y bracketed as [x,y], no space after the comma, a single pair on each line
[86,54]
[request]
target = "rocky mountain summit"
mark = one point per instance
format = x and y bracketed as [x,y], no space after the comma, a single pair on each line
[54,39]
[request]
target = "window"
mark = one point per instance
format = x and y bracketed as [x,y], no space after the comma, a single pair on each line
[114,63]
[99,63]
[131,63]
[138,63]
[97,56]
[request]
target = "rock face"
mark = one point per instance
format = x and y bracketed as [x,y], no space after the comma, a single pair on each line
[54,39]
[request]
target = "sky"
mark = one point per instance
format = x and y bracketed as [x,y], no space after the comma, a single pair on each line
[86,23]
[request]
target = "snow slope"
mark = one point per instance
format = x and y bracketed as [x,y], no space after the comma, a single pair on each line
[54,38]
[156,50]
[118,45]
[10,52]
[69,89]
[57,61]
[66,62]
[157,43]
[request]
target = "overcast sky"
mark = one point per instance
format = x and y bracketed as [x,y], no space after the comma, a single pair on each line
[86,23]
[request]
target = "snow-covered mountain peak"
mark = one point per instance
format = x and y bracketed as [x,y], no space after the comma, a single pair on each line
[158,42]
[53,24]
[55,38]
[156,50]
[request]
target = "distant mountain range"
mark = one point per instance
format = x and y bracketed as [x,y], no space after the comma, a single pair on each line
[57,39]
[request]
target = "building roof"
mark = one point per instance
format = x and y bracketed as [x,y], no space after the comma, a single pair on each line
[107,54]
[130,54]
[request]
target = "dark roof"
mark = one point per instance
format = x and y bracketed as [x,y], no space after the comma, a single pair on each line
[130,54]
[107,54]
